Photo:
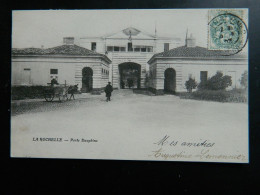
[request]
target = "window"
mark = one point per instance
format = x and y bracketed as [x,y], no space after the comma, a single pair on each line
[137,49]
[149,49]
[93,46]
[54,71]
[143,49]
[116,48]
[203,76]
[166,46]
[130,47]
[110,48]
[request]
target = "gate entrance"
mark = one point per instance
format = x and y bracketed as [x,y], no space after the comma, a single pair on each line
[130,75]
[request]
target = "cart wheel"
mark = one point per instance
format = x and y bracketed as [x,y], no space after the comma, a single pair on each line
[48,97]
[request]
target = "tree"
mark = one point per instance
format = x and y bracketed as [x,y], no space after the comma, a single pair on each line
[244,79]
[216,82]
[191,84]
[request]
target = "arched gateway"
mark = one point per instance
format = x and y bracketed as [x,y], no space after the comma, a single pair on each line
[129,75]
[170,80]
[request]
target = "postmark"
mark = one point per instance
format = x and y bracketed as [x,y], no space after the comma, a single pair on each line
[227,30]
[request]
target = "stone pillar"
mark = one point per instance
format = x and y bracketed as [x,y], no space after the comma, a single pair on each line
[115,76]
[97,80]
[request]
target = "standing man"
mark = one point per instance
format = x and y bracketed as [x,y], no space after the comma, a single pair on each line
[108,91]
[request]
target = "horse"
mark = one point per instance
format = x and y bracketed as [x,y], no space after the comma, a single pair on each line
[72,90]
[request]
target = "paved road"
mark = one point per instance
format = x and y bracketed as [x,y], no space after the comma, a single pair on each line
[81,100]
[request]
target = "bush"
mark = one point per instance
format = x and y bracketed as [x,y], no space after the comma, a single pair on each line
[235,95]
[216,82]
[190,84]
[244,79]
[23,92]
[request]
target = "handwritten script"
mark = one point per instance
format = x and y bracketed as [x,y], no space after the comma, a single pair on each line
[204,152]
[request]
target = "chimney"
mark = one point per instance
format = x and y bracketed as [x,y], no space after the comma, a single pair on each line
[68,40]
[190,42]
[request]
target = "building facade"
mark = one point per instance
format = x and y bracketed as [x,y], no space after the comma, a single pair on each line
[68,63]
[171,69]
[128,58]
[129,50]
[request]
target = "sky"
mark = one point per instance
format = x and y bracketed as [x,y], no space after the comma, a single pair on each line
[36,28]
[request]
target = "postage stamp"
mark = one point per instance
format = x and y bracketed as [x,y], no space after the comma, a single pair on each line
[227,29]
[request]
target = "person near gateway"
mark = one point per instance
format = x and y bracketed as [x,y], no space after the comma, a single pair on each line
[54,82]
[122,84]
[108,91]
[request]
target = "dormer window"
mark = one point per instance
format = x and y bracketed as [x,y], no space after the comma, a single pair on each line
[166,46]
[93,46]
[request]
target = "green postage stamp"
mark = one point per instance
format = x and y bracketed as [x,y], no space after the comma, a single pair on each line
[227,29]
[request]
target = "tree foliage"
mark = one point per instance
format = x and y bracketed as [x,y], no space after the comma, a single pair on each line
[244,79]
[191,84]
[216,82]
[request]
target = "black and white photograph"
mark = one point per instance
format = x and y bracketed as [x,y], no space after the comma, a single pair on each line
[130,84]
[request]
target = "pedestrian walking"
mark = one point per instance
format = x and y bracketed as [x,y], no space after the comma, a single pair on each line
[108,91]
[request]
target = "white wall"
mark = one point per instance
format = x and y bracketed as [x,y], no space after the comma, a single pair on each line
[86,43]
[40,72]
[69,69]
[186,67]
[172,44]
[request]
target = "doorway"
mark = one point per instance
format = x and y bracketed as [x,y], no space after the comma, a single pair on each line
[170,80]
[130,75]
[87,80]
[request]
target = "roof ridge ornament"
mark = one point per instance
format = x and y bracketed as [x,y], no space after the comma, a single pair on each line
[130,36]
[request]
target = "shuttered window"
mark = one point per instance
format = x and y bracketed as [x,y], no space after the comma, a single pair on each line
[54,71]
[203,76]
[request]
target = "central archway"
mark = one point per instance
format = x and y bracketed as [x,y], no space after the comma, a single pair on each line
[129,75]
[87,80]
[170,80]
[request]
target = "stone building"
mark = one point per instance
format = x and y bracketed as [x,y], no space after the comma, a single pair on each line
[129,50]
[128,56]
[68,63]
[170,70]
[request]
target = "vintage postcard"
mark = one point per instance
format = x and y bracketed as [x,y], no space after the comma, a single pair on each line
[159,85]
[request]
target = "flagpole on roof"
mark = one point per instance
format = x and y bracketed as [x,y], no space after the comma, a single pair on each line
[155,30]
[186,37]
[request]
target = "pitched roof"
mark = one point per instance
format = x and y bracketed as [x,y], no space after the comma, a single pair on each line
[196,52]
[71,50]
[125,33]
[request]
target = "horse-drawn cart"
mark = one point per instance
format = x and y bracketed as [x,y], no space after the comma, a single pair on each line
[59,91]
